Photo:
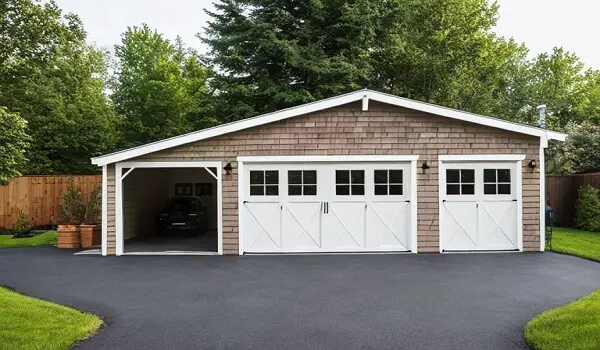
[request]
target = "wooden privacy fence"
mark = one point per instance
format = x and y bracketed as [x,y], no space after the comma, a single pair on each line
[562,193]
[39,197]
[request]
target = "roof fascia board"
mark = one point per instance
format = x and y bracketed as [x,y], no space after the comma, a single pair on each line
[464,116]
[361,95]
[229,128]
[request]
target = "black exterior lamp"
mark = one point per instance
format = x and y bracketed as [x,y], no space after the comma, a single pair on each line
[532,164]
[425,166]
[228,169]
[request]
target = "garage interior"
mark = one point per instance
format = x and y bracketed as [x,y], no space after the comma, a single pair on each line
[146,192]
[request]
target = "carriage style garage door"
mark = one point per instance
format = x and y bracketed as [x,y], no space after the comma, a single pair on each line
[480,205]
[326,206]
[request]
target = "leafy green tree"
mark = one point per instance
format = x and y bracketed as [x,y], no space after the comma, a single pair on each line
[554,81]
[13,144]
[587,215]
[159,87]
[54,80]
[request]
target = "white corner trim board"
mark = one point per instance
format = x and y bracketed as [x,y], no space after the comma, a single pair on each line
[362,95]
[542,166]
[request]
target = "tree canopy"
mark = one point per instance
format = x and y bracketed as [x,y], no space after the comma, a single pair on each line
[13,144]
[264,55]
[54,80]
[159,87]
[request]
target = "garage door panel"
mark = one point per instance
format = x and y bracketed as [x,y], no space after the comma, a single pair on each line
[262,226]
[316,209]
[498,224]
[480,211]
[302,225]
[388,224]
[344,226]
[460,225]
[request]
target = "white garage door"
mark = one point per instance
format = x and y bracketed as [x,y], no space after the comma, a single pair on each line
[326,207]
[480,206]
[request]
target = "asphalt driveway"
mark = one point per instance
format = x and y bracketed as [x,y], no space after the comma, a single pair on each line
[467,301]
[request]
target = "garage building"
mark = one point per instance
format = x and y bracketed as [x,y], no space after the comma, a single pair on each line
[360,172]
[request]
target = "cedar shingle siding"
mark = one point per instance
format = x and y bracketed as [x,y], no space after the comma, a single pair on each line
[346,130]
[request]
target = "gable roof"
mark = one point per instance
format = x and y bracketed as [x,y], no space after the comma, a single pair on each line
[361,95]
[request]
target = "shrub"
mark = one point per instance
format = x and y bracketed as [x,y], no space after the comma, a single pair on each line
[21,223]
[587,216]
[93,207]
[72,206]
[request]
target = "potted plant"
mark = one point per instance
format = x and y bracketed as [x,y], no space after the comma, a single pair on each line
[90,229]
[72,211]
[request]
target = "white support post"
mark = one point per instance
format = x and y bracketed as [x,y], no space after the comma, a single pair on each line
[119,209]
[219,208]
[104,248]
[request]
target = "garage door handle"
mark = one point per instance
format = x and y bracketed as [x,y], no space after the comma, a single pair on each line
[407,201]
[514,200]
[245,202]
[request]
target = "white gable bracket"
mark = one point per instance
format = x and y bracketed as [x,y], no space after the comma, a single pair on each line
[365,103]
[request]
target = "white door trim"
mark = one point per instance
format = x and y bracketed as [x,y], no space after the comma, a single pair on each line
[119,195]
[311,159]
[505,158]
[481,157]
[331,159]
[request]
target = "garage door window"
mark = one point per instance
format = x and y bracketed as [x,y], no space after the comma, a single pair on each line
[302,182]
[264,183]
[388,182]
[460,181]
[183,189]
[350,182]
[496,181]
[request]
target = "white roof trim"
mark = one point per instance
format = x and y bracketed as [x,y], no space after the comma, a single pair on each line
[360,95]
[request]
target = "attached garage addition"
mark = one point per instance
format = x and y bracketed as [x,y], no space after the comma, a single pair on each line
[361,172]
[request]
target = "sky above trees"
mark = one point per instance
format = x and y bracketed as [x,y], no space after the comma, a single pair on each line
[540,24]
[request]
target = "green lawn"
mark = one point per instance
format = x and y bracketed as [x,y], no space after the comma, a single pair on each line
[576,242]
[29,323]
[573,326]
[46,238]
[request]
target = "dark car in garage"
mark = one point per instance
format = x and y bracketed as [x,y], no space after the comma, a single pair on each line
[183,214]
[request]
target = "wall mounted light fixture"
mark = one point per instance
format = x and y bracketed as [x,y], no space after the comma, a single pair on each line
[425,166]
[228,169]
[532,164]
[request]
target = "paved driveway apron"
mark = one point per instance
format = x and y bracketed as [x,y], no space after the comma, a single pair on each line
[466,301]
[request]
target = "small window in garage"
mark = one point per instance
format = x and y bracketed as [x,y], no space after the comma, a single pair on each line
[388,182]
[350,182]
[460,181]
[496,181]
[302,182]
[203,189]
[264,182]
[184,189]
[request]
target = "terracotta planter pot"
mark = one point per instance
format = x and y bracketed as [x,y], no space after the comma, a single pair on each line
[90,235]
[68,236]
